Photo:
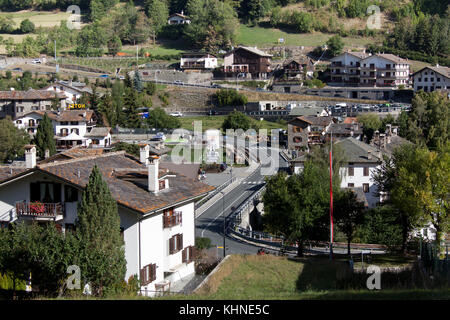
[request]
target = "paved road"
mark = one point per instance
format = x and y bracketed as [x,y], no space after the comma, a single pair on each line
[210,223]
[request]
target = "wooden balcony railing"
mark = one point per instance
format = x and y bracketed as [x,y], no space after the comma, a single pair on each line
[172,220]
[39,209]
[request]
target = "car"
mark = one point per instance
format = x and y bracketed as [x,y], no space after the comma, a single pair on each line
[179,82]
[176,114]
[121,77]
[215,85]
[160,136]
[103,76]
[36,61]
[17,69]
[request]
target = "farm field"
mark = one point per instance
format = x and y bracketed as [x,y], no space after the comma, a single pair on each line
[259,36]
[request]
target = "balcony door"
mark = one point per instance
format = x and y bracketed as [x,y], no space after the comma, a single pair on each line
[46,192]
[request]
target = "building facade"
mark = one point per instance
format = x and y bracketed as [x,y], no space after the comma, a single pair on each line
[198,60]
[156,208]
[249,61]
[430,79]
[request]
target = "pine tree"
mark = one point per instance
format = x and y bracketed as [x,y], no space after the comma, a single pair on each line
[137,81]
[131,106]
[44,137]
[102,258]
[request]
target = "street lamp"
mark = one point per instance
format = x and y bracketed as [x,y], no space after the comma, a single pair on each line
[223,214]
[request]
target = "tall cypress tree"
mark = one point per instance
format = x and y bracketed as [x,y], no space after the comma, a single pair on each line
[45,137]
[137,81]
[102,257]
[131,108]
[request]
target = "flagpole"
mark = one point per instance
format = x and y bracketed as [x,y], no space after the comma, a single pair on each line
[331,197]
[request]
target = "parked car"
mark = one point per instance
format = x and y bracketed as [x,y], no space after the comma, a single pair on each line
[179,82]
[121,77]
[103,76]
[160,136]
[215,85]
[36,61]
[176,114]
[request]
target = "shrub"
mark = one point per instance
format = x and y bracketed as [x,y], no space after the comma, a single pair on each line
[202,243]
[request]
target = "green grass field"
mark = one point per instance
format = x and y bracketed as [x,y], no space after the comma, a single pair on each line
[269,36]
[39,18]
[269,277]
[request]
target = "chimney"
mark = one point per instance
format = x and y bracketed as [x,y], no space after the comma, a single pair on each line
[153,170]
[30,156]
[47,153]
[369,155]
[144,153]
[389,129]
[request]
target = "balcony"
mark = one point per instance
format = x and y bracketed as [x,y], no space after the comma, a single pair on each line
[172,220]
[40,211]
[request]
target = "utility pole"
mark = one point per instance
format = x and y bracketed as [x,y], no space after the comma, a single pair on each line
[331,196]
[56,62]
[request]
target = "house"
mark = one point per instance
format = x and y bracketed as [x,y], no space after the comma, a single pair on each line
[384,70]
[345,68]
[338,131]
[249,61]
[367,70]
[198,60]
[299,68]
[71,128]
[430,79]
[17,103]
[178,18]
[307,130]
[72,90]
[155,206]
[361,162]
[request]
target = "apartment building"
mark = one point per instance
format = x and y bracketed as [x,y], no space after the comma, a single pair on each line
[249,61]
[366,70]
[430,79]
[15,103]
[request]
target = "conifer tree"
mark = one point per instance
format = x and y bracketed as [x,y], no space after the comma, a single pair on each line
[44,139]
[102,258]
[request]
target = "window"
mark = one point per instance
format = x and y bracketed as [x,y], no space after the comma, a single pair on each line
[74,123]
[351,171]
[366,187]
[148,274]
[175,243]
[70,194]
[438,79]
[351,185]
[162,184]
[4,224]
[19,121]
[187,254]
[366,171]
[47,192]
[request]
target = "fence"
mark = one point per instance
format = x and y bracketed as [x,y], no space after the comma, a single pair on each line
[431,263]
[201,202]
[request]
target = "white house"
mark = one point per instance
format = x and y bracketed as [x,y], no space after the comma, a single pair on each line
[178,18]
[362,161]
[71,128]
[198,60]
[155,206]
[345,68]
[72,90]
[383,70]
[429,79]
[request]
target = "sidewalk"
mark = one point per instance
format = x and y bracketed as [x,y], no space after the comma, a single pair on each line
[239,173]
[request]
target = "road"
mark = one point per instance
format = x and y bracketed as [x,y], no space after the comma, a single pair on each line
[210,223]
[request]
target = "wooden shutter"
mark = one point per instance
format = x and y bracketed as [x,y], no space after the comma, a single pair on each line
[179,242]
[183,256]
[171,245]
[190,253]
[153,278]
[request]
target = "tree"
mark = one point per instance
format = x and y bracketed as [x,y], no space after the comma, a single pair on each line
[220,16]
[158,118]
[137,81]
[349,214]
[131,108]
[26,26]
[371,123]
[102,258]
[237,120]
[335,45]
[12,140]
[158,13]
[44,138]
[114,45]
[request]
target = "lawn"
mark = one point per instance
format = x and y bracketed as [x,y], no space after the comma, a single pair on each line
[39,18]
[215,122]
[252,277]
[258,36]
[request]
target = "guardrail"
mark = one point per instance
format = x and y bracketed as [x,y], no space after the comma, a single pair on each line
[202,201]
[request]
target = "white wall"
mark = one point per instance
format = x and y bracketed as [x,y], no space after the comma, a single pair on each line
[429,75]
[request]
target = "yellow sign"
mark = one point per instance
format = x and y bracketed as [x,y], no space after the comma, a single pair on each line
[76,106]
